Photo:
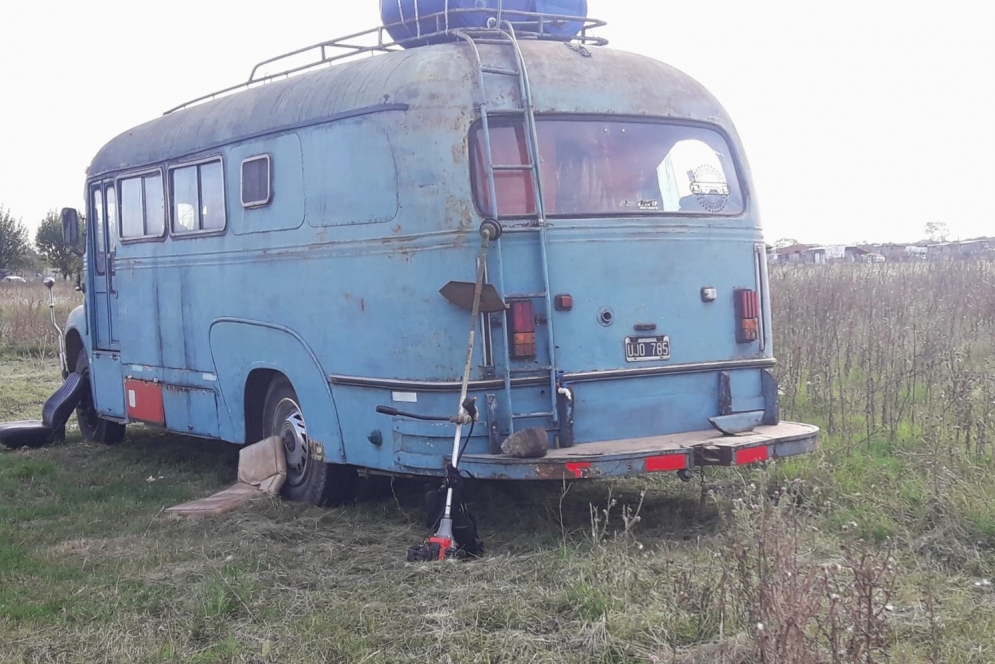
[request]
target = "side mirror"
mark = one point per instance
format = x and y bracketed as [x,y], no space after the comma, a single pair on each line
[70,228]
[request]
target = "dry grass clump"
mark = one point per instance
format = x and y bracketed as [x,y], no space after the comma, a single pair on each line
[890,350]
[25,322]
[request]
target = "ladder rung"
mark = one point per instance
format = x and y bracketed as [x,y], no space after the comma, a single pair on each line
[501,71]
[530,370]
[512,167]
[522,416]
[527,296]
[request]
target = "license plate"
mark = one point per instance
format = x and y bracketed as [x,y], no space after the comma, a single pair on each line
[644,349]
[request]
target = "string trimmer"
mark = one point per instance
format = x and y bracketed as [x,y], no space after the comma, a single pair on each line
[450,542]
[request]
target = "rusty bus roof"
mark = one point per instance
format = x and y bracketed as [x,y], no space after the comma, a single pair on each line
[565,78]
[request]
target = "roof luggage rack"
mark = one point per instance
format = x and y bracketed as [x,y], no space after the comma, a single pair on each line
[527,25]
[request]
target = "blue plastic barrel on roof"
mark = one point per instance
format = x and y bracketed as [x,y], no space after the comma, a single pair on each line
[406,19]
[563,8]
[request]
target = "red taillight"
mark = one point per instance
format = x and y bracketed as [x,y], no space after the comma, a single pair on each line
[523,330]
[752,455]
[666,462]
[564,302]
[578,469]
[747,315]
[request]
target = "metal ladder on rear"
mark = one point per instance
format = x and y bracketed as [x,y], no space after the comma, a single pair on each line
[502,33]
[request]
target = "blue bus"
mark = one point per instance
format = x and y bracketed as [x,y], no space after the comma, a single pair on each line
[298,256]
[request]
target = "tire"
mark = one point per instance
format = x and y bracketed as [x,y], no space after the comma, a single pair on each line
[91,425]
[309,478]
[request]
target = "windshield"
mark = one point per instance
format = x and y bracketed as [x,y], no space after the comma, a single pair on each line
[610,167]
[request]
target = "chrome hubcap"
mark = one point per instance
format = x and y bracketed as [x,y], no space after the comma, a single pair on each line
[293,434]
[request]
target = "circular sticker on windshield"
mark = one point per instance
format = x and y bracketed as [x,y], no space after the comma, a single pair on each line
[710,188]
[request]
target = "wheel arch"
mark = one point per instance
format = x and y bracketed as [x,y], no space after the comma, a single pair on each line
[247,355]
[74,346]
[256,386]
[75,336]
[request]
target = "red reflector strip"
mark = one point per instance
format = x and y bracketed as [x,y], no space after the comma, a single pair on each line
[577,468]
[666,462]
[752,455]
[144,401]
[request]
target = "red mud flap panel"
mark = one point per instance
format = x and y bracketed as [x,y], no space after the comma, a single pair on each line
[636,456]
[143,401]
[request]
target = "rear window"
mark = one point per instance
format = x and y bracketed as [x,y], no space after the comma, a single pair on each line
[609,168]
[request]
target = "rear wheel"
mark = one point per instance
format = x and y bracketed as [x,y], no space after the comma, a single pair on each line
[91,425]
[309,478]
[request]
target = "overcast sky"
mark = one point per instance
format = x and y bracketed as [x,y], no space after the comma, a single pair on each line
[862,120]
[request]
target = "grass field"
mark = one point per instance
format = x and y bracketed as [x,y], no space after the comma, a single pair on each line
[878,548]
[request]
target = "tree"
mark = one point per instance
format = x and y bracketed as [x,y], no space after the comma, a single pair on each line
[937,231]
[33,262]
[13,241]
[53,248]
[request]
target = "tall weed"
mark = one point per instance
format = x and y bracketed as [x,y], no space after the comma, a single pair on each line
[25,319]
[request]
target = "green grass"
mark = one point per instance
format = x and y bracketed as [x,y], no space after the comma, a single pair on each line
[91,570]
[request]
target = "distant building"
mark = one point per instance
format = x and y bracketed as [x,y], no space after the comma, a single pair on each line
[982,247]
[834,253]
[891,252]
[856,254]
[801,253]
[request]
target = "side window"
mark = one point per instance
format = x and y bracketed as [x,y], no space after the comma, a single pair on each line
[248,179]
[132,217]
[155,205]
[110,199]
[256,181]
[99,237]
[143,213]
[197,195]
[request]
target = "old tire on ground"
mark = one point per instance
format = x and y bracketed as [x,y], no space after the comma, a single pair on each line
[91,425]
[309,478]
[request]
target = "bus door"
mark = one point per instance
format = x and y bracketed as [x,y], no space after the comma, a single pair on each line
[103,221]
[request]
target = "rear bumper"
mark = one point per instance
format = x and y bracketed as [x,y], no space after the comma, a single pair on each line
[637,456]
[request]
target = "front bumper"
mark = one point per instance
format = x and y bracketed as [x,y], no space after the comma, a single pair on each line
[636,456]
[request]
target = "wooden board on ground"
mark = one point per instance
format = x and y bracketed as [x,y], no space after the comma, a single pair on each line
[262,469]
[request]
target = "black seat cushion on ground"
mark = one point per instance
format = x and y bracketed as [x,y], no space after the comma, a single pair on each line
[26,433]
[55,413]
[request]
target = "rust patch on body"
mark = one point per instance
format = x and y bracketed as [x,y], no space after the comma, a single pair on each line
[317,450]
[565,471]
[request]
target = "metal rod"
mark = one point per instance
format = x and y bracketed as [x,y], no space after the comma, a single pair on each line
[50,285]
[382,45]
